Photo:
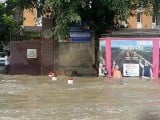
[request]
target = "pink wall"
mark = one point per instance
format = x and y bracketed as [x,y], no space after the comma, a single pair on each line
[156,57]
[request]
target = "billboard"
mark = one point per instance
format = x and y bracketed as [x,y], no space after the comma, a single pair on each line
[129,53]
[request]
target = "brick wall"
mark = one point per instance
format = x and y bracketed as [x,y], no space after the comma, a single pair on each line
[20,64]
[47,55]
[47,23]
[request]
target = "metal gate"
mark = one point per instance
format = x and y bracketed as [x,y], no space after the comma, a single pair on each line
[33,57]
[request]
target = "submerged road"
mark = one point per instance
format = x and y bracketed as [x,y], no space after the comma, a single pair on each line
[25,97]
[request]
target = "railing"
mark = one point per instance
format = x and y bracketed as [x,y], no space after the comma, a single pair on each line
[25,35]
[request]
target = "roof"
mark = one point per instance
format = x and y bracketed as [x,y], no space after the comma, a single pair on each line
[134,33]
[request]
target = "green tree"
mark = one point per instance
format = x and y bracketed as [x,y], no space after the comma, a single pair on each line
[156,10]
[7,21]
[101,13]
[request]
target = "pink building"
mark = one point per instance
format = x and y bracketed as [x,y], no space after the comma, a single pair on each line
[130,49]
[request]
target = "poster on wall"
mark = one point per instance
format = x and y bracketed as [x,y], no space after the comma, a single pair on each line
[102,58]
[131,55]
[31,53]
[130,70]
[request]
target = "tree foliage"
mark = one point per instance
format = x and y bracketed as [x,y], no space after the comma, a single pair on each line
[101,13]
[7,21]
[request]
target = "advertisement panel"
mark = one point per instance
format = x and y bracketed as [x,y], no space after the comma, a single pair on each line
[131,55]
[102,58]
[130,70]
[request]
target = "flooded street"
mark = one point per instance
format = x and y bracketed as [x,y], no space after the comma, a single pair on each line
[89,98]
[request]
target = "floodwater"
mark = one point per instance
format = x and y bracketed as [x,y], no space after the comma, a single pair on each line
[88,98]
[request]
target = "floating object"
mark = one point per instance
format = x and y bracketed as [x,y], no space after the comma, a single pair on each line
[70,81]
[53,76]
[50,75]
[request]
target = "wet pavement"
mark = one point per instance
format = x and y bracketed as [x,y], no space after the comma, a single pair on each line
[88,98]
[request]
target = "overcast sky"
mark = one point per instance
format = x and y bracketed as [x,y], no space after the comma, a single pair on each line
[2,0]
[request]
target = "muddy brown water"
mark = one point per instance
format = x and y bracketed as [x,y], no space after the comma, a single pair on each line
[88,98]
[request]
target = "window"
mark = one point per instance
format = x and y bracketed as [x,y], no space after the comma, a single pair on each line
[139,17]
[153,19]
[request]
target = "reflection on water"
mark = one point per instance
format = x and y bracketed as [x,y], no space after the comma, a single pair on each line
[89,98]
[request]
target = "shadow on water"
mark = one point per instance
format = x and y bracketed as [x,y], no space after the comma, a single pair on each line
[25,97]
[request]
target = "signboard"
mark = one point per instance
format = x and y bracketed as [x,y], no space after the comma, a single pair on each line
[80,33]
[81,36]
[128,53]
[31,53]
[131,70]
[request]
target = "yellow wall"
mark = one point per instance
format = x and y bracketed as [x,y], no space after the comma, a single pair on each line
[132,21]
[30,17]
[146,21]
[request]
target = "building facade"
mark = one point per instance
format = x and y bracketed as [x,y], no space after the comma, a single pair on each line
[141,21]
[32,18]
[138,21]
